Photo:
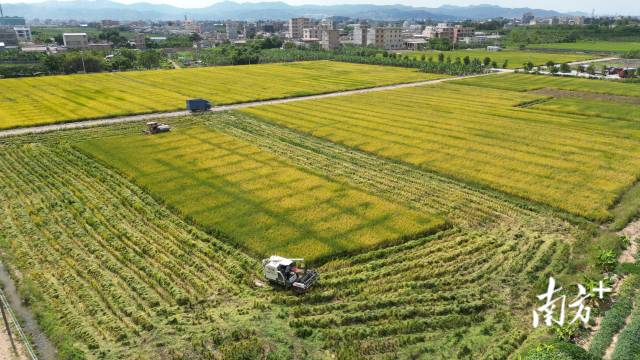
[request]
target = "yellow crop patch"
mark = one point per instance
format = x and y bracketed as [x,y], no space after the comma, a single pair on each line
[44,100]
[574,162]
[263,203]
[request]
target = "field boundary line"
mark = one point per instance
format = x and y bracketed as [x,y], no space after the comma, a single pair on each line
[160,115]
[25,341]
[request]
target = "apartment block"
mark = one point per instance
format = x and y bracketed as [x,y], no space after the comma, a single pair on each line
[385,37]
[360,34]
[311,34]
[453,34]
[297,26]
[330,39]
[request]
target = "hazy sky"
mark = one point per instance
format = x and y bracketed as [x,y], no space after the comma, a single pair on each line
[601,7]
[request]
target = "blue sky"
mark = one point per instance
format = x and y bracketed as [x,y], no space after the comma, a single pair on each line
[611,7]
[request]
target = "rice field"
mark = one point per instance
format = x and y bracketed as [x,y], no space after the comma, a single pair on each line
[593,46]
[52,99]
[254,198]
[437,297]
[607,109]
[529,82]
[515,58]
[124,277]
[112,274]
[580,164]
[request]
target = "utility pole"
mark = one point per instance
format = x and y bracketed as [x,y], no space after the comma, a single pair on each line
[1,12]
[84,69]
[6,325]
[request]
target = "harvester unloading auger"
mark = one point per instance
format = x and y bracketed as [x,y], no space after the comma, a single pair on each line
[289,273]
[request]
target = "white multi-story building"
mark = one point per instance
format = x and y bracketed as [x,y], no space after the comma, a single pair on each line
[23,33]
[75,40]
[385,37]
[297,26]
[453,34]
[330,39]
[360,34]
[311,33]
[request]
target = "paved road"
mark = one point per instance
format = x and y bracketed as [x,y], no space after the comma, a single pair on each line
[593,61]
[155,116]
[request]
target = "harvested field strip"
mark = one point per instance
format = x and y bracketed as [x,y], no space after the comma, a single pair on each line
[44,100]
[604,109]
[419,189]
[431,288]
[557,93]
[105,258]
[570,162]
[259,201]
[528,82]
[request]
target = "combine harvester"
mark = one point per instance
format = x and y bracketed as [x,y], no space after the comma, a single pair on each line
[286,273]
[156,128]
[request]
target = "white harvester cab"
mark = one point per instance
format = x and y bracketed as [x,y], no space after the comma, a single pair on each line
[289,273]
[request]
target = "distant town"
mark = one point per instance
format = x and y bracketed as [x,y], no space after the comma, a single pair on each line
[329,33]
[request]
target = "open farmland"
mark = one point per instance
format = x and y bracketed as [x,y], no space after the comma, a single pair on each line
[416,297]
[44,100]
[110,272]
[259,201]
[591,46]
[434,215]
[438,296]
[580,164]
[530,82]
[515,58]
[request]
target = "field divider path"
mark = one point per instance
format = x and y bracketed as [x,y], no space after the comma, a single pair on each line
[162,115]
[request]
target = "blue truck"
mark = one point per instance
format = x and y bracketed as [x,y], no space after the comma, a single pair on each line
[198,105]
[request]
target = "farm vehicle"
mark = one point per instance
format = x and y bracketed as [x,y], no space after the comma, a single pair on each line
[198,105]
[289,273]
[156,128]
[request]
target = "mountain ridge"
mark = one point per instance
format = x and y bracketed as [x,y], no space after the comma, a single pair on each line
[276,10]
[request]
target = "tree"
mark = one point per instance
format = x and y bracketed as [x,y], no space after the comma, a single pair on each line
[121,62]
[486,61]
[195,37]
[467,60]
[150,59]
[54,63]
[550,64]
[591,70]
[494,65]
[113,36]
[528,66]
[440,57]
[58,39]
[565,68]
[505,64]
[289,45]
[78,62]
